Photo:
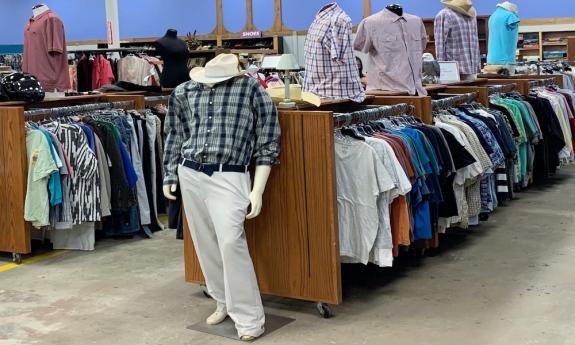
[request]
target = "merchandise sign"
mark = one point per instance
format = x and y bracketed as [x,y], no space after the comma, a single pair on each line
[251,34]
[449,71]
[110,33]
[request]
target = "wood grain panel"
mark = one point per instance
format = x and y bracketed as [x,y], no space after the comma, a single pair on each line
[422,104]
[321,203]
[14,234]
[571,49]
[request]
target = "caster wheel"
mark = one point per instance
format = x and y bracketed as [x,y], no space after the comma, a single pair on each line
[325,310]
[17,258]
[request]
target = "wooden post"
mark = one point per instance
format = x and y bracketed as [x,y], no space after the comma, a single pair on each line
[366,8]
[250,26]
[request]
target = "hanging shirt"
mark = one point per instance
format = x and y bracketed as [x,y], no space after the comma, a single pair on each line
[361,179]
[395,45]
[331,70]
[40,167]
[102,73]
[45,52]
[503,37]
[457,39]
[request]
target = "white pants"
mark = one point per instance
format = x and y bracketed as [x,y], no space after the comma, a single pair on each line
[216,209]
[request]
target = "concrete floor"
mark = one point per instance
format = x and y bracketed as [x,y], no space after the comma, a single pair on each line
[510,281]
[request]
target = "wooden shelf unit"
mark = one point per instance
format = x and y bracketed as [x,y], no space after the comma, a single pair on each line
[546,46]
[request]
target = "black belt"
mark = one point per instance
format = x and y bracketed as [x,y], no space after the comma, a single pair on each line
[210,169]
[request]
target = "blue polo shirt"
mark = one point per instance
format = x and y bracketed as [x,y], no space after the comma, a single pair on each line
[503,37]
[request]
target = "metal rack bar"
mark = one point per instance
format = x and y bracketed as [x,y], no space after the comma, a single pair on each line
[505,88]
[454,101]
[78,108]
[156,98]
[373,114]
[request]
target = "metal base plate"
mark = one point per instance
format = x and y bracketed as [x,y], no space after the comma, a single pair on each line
[227,329]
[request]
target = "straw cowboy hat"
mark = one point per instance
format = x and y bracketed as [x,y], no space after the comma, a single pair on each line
[462,6]
[509,7]
[217,70]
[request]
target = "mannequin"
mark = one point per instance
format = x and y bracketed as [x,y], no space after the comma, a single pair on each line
[174,53]
[39,9]
[503,37]
[45,54]
[214,181]
[395,8]
[457,37]
[394,48]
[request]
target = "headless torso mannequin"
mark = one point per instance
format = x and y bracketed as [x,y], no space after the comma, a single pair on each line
[395,8]
[174,53]
[503,37]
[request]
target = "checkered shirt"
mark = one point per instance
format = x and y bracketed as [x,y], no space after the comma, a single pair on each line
[330,67]
[230,123]
[457,39]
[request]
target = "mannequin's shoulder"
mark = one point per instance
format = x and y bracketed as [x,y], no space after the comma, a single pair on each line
[184,88]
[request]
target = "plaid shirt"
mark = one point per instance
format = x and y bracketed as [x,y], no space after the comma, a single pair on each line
[457,39]
[330,67]
[230,123]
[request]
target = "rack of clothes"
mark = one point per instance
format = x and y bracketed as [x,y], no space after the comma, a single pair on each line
[90,170]
[101,68]
[12,62]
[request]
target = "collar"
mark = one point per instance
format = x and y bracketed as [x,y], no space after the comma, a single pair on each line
[327,10]
[392,16]
[33,19]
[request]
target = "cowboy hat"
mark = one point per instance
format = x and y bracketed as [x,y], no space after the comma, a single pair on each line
[217,70]
[296,95]
[462,6]
[509,7]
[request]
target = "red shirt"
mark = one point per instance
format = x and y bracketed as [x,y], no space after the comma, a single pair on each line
[45,53]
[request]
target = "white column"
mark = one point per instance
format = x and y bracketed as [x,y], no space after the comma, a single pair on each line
[113,18]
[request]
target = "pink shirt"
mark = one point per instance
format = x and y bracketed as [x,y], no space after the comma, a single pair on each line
[45,53]
[395,46]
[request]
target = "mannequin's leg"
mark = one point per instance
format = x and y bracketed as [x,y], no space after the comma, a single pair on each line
[228,200]
[203,233]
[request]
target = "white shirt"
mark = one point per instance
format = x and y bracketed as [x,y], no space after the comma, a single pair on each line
[382,252]
[361,179]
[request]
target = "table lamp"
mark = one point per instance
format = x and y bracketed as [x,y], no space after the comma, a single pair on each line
[287,63]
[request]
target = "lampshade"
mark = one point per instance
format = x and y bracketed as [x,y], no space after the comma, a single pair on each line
[287,62]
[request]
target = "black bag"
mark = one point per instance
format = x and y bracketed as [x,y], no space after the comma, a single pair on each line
[22,87]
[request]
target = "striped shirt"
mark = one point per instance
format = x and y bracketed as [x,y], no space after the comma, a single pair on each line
[330,67]
[230,123]
[457,39]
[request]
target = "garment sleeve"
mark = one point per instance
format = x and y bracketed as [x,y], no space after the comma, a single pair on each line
[440,28]
[41,163]
[55,37]
[267,127]
[340,39]
[362,39]
[174,132]
[512,22]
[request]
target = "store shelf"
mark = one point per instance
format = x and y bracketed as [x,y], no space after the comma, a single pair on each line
[254,51]
[554,44]
[528,49]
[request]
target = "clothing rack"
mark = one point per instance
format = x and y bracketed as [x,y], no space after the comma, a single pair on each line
[154,100]
[113,50]
[453,101]
[15,236]
[504,88]
[541,83]
[372,114]
[78,108]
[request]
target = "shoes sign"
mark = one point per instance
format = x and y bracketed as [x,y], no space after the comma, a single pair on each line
[251,34]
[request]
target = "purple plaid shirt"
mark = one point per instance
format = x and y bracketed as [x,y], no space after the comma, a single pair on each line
[457,39]
[330,68]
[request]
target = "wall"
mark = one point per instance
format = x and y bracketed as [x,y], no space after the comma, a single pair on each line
[83,19]
[86,19]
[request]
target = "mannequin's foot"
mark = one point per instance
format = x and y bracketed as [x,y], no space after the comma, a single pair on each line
[216,318]
[247,338]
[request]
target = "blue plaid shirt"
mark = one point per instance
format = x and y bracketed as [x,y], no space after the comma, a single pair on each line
[229,123]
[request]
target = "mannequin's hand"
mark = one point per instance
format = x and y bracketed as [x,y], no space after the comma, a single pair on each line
[256,205]
[170,190]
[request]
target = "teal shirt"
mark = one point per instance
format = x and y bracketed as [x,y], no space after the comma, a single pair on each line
[503,37]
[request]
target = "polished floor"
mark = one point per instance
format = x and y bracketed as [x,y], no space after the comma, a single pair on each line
[509,282]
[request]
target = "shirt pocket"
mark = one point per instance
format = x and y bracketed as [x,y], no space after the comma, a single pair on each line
[416,44]
[388,45]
